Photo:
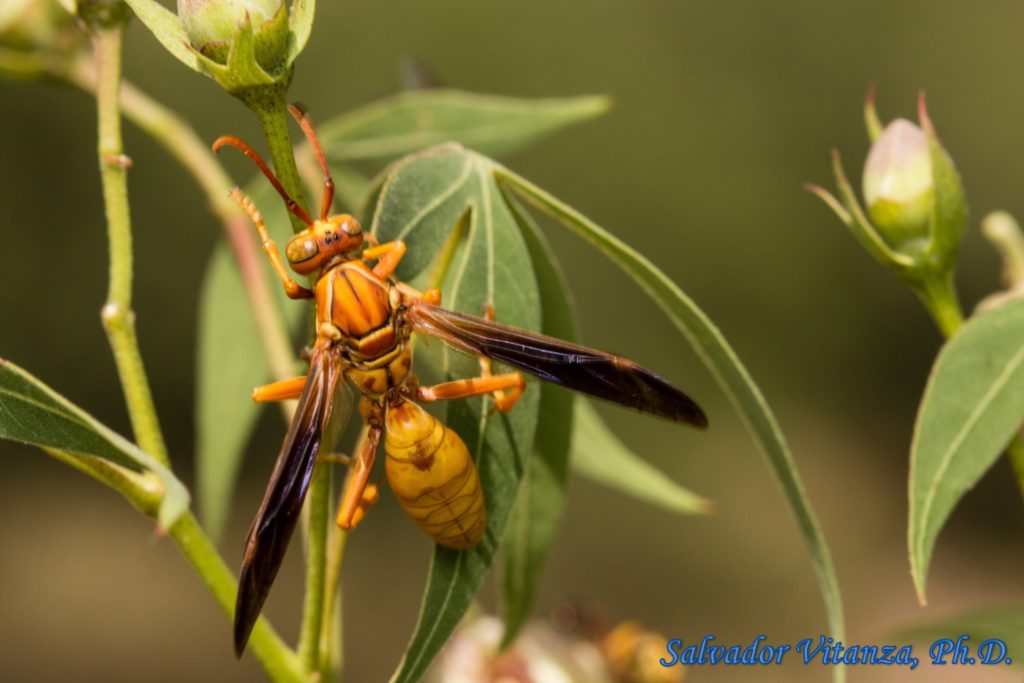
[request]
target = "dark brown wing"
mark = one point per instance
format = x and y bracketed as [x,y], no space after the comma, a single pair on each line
[590,371]
[282,503]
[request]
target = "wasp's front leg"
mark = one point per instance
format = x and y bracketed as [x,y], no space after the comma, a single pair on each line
[389,255]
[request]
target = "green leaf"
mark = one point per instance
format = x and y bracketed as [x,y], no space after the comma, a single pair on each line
[300,23]
[724,365]
[541,501]
[600,456]
[1005,623]
[166,28]
[34,414]
[411,120]
[231,361]
[421,200]
[972,406]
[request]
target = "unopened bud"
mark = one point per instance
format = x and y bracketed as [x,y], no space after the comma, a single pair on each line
[898,186]
[213,25]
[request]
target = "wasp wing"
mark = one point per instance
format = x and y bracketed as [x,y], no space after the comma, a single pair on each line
[579,368]
[324,402]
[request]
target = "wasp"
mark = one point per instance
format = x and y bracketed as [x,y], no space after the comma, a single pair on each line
[365,319]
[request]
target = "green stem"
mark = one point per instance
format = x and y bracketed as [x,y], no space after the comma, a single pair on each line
[319,505]
[179,139]
[117,315]
[272,111]
[332,632]
[939,296]
[280,663]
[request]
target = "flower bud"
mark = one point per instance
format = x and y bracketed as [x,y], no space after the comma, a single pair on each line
[213,26]
[898,187]
[916,211]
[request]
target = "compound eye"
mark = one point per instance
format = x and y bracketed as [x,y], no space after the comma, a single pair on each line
[300,249]
[350,226]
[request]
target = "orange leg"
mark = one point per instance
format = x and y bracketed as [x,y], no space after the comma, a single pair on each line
[502,401]
[432,296]
[513,382]
[359,494]
[279,391]
[292,288]
[389,253]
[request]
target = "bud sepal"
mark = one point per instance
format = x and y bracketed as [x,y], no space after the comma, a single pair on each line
[246,52]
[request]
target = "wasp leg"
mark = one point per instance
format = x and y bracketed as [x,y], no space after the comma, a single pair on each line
[292,288]
[502,401]
[389,255]
[279,391]
[432,296]
[511,382]
[359,494]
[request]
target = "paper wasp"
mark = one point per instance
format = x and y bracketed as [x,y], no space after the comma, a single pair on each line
[364,322]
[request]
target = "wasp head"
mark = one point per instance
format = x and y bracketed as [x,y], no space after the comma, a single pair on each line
[325,239]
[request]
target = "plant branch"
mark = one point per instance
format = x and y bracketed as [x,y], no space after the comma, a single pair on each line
[181,142]
[271,109]
[117,315]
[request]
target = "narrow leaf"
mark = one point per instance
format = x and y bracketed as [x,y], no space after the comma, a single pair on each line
[972,406]
[540,504]
[166,28]
[34,414]
[231,361]
[422,199]
[412,120]
[600,456]
[723,363]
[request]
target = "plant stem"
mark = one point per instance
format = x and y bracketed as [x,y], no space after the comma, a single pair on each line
[179,139]
[280,663]
[271,110]
[319,505]
[117,315]
[332,629]
[938,295]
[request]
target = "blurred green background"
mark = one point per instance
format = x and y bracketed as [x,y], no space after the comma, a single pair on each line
[722,111]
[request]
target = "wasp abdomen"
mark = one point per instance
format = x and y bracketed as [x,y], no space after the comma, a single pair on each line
[430,472]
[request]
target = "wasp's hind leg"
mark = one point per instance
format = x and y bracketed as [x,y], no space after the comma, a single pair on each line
[359,494]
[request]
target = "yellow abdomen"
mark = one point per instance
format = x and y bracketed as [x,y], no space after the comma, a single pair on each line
[429,469]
